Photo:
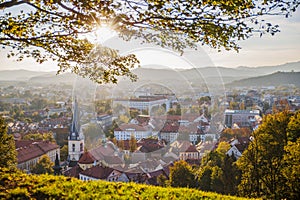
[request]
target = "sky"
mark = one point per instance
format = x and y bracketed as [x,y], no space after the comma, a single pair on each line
[267,50]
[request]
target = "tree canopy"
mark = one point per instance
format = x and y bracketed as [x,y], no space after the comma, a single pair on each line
[8,158]
[181,175]
[269,165]
[43,166]
[56,29]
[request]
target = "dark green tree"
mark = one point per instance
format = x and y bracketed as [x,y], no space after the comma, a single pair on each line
[218,172]
[181,175]
[8,158]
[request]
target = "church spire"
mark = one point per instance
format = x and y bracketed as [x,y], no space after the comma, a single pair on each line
[75,127]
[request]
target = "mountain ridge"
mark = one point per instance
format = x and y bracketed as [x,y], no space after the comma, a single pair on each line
[208,74]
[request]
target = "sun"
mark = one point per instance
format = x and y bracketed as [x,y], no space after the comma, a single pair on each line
[104,33]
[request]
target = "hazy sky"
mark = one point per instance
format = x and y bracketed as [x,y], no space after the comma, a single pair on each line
[267,50]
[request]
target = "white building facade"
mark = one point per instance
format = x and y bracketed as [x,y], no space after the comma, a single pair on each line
[125,131]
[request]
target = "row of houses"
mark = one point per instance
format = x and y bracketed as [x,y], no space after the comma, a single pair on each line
[107,162]
[168,128]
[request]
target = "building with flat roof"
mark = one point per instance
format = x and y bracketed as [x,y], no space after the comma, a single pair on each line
[241,118]
[144,103]
[125,131]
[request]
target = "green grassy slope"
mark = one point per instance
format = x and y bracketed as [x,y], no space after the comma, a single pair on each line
[22,186]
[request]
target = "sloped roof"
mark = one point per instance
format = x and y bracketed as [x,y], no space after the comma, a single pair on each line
[101,151]
[86,158]
[191,148]
[27,150]
[97,172]
[157,173]
[191,128]
[73,172]
[113,160]
[147,145]
[170,128]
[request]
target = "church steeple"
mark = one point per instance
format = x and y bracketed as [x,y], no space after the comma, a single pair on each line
[76,137]
[75,126]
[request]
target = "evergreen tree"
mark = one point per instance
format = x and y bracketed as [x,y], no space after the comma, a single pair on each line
[8,158]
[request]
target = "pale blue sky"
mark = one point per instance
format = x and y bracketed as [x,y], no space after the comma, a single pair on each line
[269,50]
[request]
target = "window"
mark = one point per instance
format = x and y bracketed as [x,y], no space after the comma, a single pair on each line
[81,147]
[73,147]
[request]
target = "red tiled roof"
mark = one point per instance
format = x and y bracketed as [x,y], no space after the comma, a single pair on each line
[73,172]
[97,172]
[27,150]
[86,158]
[170,128]
[192,128]
[147,145]
[191,148]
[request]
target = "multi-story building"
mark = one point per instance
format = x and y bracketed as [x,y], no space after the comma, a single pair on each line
[125,131]
[144,103]
[241,118]
[29,152]
[104,120]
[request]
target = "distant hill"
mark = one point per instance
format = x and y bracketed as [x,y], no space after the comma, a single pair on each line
[275,79]
[287,67]
[209,75]
[53,78]
[20,75]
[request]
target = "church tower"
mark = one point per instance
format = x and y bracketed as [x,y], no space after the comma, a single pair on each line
[76,137]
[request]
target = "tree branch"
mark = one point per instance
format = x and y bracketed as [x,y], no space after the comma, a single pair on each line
[11,3]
